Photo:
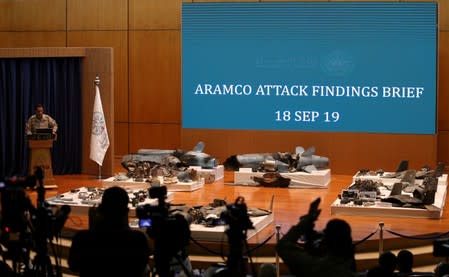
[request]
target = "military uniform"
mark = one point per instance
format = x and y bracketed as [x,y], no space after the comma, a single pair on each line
[34,123]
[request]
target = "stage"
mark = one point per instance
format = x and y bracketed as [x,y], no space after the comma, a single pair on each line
[288,206]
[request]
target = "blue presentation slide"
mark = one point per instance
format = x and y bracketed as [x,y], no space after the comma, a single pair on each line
[302,66]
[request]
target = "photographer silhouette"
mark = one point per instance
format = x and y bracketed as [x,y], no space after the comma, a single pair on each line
[170,232]
[24,227]
[110,247]
[329,253]
[236,216]
[238,221]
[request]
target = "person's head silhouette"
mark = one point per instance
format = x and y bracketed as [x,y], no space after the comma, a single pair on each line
[338,239]
[405,261]
[110,247]
[113,210]
[388,261]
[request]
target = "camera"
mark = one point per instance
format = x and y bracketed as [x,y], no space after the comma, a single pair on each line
[163,224]
[25,227]
[144,222]
[236,216]
[170,230]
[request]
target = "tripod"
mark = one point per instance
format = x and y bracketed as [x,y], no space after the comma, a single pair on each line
[171,233]
[238,220]
[163,262]
[42,266]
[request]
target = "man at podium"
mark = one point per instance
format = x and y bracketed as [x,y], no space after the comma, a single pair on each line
[41,132]
[41,124]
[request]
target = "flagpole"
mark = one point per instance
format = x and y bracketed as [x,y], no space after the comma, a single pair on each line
[99,173]
[99,139]
[97,86]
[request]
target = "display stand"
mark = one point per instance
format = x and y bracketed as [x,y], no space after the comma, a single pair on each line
[217,233]
[379,208]
[80,206]
[130,184]
[217,172]
[442,180]
[316,179]
[40,156]
[92,197]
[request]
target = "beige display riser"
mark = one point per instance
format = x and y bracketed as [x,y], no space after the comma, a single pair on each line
[130,184]
[79,207]
[316,179]
[198,232]
[386,209]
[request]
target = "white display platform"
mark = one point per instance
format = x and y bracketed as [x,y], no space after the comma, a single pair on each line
[130,184]
[379,208]
[217,172]
[316,179]
[201,232]
[217,233]
[81,207]
[442,180]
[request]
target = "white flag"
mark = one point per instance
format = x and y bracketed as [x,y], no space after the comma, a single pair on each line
[99,139]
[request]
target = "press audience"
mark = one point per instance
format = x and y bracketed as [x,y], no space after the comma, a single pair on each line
[386,266]
[405,262]
[110,248]
[442,269]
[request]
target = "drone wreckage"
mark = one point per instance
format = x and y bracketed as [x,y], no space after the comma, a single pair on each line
[274,164]
[405,192]
[172,165]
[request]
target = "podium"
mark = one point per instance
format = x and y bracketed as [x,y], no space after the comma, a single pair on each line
[40,156]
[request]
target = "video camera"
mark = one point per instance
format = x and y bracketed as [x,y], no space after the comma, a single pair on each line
[23,226]
[147,213]
[170,230]
[14,203]
[163,224]
[236,216]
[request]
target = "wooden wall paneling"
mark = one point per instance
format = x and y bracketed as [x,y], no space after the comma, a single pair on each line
[348,152]
[155,136]
[32,39]
[443,15]
[97,14]
[98,61]
[154,15]
[443,80]
[155,93]
[33,15]
[39,52]
[121,138]
[443,147]
[155,76]
[118,40]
